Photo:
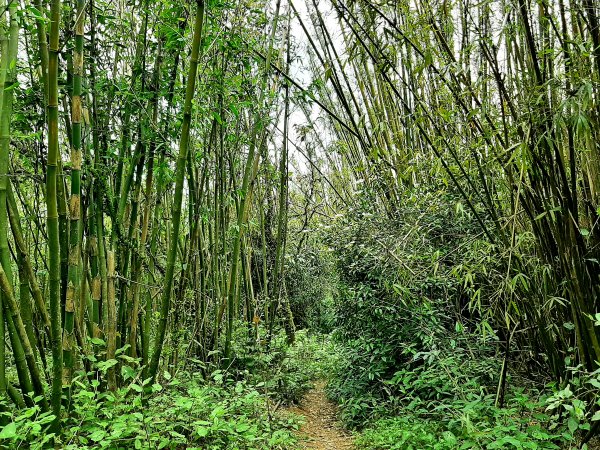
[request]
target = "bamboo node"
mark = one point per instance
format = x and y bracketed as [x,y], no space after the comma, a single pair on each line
[74,206]
[76,158]
[77,64]
[93,245]
[79,25]
[76,114]
[96,288]
[74,255]
[67,341]
[69,302]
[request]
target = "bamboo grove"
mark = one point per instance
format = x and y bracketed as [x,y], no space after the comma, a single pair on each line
[499,100]
[138,128]
[145,152]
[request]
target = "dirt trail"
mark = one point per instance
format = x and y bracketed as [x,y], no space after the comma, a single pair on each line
[320,430]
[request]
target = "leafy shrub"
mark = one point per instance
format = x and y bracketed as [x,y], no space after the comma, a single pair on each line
[420,357]
[402,304]
[419,364]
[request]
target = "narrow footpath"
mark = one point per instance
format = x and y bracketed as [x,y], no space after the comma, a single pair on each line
[320,430]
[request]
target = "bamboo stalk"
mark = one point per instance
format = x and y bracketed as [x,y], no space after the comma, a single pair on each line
[54,264]
[74,284]
[111,320]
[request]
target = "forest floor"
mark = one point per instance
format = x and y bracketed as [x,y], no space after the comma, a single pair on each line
[321,430]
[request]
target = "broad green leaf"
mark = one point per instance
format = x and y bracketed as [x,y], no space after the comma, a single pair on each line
[9,431]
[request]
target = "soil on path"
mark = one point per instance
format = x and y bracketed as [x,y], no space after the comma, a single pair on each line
[320,430]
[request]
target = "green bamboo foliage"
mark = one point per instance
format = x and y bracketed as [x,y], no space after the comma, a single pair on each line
[184,251]
[125,103]
[513,144]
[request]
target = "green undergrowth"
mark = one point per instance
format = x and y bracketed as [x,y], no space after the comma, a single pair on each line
[196,406]
[184,411]
[446,399]
[474,424]
[436,389]
[285,372]
[420,347]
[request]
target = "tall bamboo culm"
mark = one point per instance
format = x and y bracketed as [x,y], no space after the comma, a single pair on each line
[52,212]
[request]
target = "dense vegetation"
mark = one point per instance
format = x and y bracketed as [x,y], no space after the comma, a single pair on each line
[205,206]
